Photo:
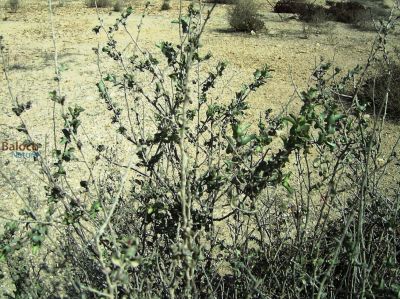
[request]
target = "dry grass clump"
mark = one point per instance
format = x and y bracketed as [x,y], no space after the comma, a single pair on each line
[119,5]
[349,12]
[289,6]
[99,3]
[166,5]
[14,5]
[221,1]
[313,13]
[308,12]
[244,16]
[373,92]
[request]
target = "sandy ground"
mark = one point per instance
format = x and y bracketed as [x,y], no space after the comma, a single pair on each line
[290,47]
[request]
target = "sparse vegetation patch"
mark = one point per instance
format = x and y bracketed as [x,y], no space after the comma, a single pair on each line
[349,12]
[99,3]
[308,12]
[385,81]
[221,1]
[118,5]
[166,5]
[244,16]
[14,5]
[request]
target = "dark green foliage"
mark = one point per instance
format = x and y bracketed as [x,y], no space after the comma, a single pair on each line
[20,108]
[244,16]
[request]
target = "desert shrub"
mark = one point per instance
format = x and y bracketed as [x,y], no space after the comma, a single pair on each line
[100,3]
[349,12]
[244,16]
[14,5]
[206,203]
[289,6]
[308,12]
[313,13]
[374,89]
[221,1]
[118,5]
[166,5]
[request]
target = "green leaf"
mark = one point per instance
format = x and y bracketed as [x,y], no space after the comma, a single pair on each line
[129,11]
[116,261]
[95,209]
[35,249]
[290,119]
[333,118]
[311,94]
[246,139]
[96,29]
[111,78]
[63,67]
[240,130]
[184,21]
[102,87]
[285,183]
[135,263]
